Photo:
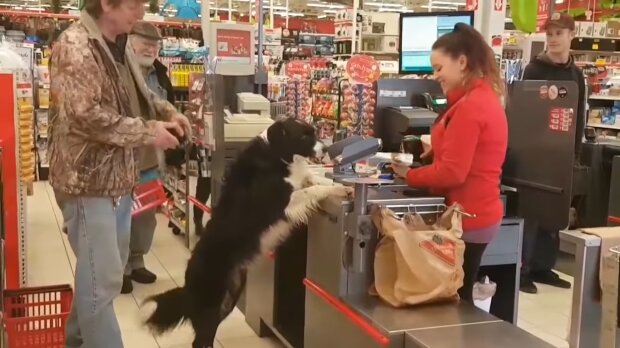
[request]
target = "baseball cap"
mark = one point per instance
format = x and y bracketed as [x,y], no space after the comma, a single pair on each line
[146,30]
[560,20]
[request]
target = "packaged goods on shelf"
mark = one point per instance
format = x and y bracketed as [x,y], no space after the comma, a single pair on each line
[297,97]
[26,141]
[358,108]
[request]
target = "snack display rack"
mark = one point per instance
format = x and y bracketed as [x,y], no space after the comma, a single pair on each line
[13,133]
[357,108]
[325,101]
[298,98]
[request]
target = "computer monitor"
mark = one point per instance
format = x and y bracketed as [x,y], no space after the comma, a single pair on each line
[418,32]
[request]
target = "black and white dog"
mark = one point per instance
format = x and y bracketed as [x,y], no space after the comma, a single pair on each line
[267,192]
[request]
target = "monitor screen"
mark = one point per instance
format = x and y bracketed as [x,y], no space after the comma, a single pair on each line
[419,31]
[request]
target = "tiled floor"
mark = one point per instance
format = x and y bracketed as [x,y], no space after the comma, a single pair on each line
[50,261]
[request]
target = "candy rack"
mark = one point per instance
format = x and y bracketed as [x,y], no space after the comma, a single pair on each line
[297,98]
[324,110]
[357,108]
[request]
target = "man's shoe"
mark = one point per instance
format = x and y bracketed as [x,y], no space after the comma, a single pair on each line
[550,278]
[143,276]
[527,285]
[127,285]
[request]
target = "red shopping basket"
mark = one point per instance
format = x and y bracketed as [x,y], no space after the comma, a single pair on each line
[36,317]
[149,195]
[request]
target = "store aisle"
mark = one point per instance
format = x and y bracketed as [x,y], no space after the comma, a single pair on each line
[50,261]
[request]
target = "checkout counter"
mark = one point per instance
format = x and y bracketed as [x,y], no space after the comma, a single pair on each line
[313,291]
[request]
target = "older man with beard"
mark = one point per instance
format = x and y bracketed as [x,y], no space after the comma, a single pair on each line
[145,43]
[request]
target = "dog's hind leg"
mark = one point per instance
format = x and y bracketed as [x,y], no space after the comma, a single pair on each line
[207,322]
[205,326]
[235,288]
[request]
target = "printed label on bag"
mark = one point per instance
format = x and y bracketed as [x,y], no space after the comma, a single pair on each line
[445,250]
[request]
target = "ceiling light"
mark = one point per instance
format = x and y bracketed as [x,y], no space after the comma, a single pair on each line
[325,5]
[403,10]
[448,3]
[290,14]
[440,7]
[559,1]
[380,4]
[330,11]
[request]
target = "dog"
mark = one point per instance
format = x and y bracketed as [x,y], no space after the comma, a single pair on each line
[267,192]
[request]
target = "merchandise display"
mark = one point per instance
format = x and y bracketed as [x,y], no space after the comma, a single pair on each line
[358,108]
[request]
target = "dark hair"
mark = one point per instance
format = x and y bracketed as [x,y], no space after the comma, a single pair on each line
[94,8]
[467,41]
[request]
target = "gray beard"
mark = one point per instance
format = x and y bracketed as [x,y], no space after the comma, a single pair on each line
[145,62]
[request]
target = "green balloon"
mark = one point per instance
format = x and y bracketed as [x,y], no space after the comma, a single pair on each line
[524,14]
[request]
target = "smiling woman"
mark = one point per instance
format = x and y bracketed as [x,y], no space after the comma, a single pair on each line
[469,141]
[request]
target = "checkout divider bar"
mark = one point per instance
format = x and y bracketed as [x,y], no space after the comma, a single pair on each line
[360,322]
[199,204]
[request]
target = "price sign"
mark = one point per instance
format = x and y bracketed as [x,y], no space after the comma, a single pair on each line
[298,68]
[471,5]
[363,69]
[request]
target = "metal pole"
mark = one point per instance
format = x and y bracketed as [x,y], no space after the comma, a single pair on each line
[356,5]
[205,21]
[229,9]
[261,36]
[430,5]
[286,13]
[271,13]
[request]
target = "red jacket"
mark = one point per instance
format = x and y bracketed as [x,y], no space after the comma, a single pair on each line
[468,155]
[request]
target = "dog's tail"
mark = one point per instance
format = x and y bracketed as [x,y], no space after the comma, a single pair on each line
[172,308]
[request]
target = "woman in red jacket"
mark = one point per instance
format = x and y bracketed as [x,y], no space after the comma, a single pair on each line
[469,141]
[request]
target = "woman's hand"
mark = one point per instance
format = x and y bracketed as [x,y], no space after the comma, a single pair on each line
[400,169]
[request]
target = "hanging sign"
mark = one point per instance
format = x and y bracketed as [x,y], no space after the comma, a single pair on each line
[498,5]
[363,69]
[471,5]
[298,68]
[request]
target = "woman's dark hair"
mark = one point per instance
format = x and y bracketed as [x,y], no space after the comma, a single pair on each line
[467,41]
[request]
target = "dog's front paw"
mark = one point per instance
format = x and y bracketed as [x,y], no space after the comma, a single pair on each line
[342,192]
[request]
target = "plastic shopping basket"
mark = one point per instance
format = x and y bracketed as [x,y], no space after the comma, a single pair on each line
[36,317]
[149,195]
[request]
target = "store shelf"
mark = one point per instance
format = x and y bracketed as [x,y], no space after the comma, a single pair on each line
[604,97]
[606,126]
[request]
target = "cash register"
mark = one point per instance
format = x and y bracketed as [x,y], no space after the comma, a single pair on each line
[253,118]
[406,107]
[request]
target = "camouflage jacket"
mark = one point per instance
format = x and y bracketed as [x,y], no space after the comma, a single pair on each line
[92,139]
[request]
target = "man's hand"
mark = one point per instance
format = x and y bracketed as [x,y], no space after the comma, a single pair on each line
[183,123]
[164,139]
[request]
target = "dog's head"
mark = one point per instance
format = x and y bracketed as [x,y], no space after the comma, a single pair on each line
[291,137]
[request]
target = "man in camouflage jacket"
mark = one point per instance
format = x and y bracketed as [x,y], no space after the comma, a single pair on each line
[102,114]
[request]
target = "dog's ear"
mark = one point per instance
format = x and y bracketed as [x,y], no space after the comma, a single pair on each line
[276,132]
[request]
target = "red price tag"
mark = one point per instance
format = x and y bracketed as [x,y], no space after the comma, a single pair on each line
[363,69]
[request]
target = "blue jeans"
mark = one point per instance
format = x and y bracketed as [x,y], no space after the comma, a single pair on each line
[98,230]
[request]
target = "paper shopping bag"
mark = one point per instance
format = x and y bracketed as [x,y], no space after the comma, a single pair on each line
[417,263]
